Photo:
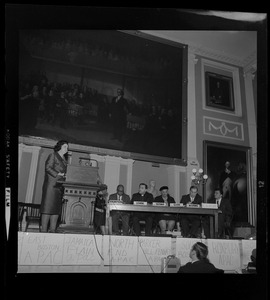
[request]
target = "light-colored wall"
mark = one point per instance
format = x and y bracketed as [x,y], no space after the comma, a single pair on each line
[143,172]
[255,93]
[216,113]
[44,152]
[24,176]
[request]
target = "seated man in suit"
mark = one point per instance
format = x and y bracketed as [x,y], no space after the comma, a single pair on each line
[144,196]
[165,221]
[224,214]
[116,215]
[185,220]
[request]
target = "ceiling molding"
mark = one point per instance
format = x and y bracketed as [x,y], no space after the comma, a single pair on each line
[251,63]
[211,53]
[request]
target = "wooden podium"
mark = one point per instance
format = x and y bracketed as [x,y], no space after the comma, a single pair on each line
[80,189]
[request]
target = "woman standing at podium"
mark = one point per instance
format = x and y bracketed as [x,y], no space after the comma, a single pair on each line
[55,169]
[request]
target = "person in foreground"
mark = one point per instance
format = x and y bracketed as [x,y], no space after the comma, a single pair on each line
[199,261]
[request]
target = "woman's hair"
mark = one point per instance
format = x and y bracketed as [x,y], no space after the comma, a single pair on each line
[59,144]
[201,250]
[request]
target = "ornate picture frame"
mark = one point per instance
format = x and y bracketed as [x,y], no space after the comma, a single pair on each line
[85,70]
[219,91]
[237,185]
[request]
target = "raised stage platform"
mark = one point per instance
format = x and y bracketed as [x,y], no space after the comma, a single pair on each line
[88,253]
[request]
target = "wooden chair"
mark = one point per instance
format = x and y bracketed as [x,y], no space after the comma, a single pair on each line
[21,211]
[32,215]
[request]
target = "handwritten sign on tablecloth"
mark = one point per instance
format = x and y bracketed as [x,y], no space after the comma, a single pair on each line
[42,249]
[82,249]
[120,250]
[152,249]
[20,241]
[224,254]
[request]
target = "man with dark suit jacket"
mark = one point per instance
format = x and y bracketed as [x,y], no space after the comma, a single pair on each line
[194,198]
[144,196]
[116,215]
[118,114]
[224,214]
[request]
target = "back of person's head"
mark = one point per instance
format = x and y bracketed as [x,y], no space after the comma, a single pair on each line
[201,250]
[253,256]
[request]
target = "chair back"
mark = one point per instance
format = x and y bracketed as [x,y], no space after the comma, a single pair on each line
[32,214]
[32,210]
[21,211]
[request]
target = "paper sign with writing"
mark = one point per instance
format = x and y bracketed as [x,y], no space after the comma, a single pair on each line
[247,247]
[42,249]
[183,246]
[82,249]
[20,242]
[120,250]
[152,249]
[224,254]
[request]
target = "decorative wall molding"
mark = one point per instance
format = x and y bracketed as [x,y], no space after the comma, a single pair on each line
[234,73]
[252,133]
[250,63]
[211,53]
[191,107]
[251,67]
[44,142]
[223,128]
[220,56]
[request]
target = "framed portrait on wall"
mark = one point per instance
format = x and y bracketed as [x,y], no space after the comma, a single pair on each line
[219,91]
[228,168]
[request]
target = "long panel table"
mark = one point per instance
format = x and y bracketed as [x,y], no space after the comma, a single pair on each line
[212,212]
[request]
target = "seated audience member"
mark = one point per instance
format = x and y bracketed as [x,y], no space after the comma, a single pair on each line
[116,215]
[224,214]
[100,212]
[251,267]
[165,221]
[152,188]
[185,220]
[199,261]
[142,195]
